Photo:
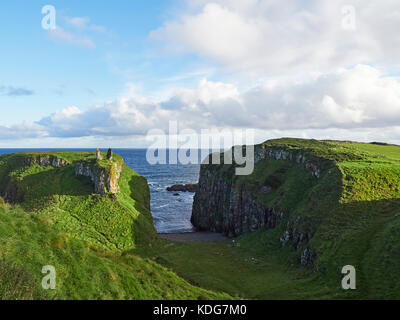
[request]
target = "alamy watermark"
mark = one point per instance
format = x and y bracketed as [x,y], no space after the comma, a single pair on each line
[349,18]
[349,280]
[49,20]
[49,281]
[190,147]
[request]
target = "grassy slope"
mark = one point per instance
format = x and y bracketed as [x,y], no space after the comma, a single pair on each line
[356,219]
[352,210]
[363,230]
[67,202]
[61,223]
[255,270]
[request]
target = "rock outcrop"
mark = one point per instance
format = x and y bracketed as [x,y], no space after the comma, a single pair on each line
[98,155]
[183,188]
[233,205]
[109,154]
[296,156]
[44,161]
[105,179]
[221,207]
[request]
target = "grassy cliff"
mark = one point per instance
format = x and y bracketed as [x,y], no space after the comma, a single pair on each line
[53,217]
[317,205]
[310,208]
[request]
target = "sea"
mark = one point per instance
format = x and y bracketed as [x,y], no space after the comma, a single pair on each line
[171,212]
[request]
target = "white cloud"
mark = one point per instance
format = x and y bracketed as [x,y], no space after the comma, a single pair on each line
[60,34]
[357,102]
[26,129]
[315,79]
[268,37]
[81,26]
[83,23]
[187,75]
[78,22]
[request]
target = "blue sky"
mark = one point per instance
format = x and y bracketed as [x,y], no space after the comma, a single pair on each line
[62,74]
[113,71]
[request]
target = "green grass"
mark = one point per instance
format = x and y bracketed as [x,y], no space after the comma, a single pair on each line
[105,247]
[352,212]
[83,271]
[16,283]
[252,271]
[68,203]
[58,221]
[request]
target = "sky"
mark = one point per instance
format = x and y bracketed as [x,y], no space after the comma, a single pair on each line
[111,73]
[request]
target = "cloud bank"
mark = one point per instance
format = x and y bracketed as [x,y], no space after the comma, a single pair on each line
[316,77]
[269,36]
[350,100]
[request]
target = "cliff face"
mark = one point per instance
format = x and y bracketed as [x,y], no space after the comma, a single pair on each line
[284,180]
[105,179]
[104,174]
[221,207]
[45,161]
[47,183]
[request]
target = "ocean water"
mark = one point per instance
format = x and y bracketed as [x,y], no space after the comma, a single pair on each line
[171,213]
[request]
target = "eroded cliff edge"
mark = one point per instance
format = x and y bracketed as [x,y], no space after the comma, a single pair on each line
[291,190]
[90,195]
[104,178]
[104,174]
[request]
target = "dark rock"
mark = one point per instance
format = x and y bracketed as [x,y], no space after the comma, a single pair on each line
[176,194]
[109,154]
[219,206]
[380,143]
[183,188]
[45,161]
[307,257]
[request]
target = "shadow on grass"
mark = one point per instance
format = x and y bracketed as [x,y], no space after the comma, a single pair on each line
[143,229]
[55,181]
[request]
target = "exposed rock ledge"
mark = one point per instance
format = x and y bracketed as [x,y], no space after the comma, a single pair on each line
[297,156]
[183,188]
[221,205]
[105,179]
[45,161]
